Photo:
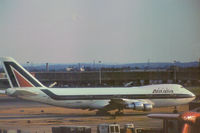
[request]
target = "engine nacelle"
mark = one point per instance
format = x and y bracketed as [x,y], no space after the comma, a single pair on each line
[135,106]
[130,106]
[139,106]
[148,107]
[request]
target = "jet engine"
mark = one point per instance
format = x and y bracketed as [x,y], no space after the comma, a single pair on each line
[139,106]
[148,107]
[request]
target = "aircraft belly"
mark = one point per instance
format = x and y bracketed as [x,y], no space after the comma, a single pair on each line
[83,104]
[98,104]
[77,104]
[171,102]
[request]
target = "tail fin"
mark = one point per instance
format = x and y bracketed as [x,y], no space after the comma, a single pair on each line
[17,75]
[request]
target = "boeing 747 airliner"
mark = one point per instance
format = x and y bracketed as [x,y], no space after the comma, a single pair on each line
[25,86]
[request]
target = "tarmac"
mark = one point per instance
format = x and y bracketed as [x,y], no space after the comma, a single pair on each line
[36,117]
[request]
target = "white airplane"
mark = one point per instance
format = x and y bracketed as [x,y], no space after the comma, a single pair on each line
[25,86]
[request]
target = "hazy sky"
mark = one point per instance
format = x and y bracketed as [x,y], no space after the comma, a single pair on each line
[113,31]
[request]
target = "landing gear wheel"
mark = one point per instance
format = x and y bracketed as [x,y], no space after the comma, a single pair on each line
[175,111]
[119,113]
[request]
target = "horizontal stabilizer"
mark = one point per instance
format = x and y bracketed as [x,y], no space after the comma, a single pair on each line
[24,93]
[2,92]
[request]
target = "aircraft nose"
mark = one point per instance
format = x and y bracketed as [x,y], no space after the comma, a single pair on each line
[192,95]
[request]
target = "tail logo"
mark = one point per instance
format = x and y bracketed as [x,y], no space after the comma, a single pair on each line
[17,75]
[21,80]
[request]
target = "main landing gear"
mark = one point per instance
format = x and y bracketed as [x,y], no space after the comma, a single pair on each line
[119,112]
[105,112]
[175,111]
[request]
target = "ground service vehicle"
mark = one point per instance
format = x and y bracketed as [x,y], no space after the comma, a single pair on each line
[71,129]
[129,128]
[108,128]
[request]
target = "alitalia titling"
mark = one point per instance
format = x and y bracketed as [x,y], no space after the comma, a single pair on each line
[163,90]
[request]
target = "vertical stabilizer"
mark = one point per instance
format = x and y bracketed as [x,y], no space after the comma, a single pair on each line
[17,75]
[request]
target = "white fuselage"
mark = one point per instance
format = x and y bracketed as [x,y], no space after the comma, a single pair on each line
[97,98]
[24,85]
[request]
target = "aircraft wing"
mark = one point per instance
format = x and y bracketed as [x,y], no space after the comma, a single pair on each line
[140,104]
[115,104]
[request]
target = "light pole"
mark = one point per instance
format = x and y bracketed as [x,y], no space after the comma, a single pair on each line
[100,72]
[27,65]
[175,71]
